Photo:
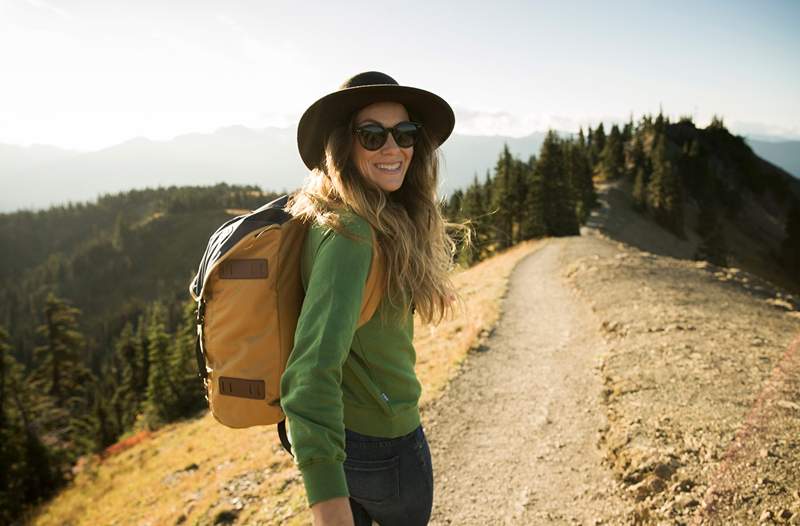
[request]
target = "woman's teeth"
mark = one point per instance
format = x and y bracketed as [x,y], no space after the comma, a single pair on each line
[390,167]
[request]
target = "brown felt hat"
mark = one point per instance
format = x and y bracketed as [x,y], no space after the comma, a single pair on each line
[330,111]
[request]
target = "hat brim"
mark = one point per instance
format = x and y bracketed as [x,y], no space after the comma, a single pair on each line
[330,111]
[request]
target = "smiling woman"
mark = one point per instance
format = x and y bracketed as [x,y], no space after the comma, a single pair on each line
[377,154]
[350,393]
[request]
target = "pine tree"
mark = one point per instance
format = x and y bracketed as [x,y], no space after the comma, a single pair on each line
[30,470]
[473,209]
[503,200]
[126,402]
[627,131]
[189,396]
[160,403]
[580,178]
[60,354]
[453,208]
[597,146]
[612,157]
[558,196]
[518,187]
[636,157]
[532,224]
[664,191]
[63,382]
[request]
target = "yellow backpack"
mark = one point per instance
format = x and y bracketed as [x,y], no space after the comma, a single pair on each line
[249,294]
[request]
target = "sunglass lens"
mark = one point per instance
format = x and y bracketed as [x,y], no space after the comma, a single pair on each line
[405,134]
[372,137]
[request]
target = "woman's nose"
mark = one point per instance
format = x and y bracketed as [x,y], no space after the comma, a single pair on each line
[390,144]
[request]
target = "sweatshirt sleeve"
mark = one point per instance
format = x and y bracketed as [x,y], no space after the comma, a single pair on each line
[311,393]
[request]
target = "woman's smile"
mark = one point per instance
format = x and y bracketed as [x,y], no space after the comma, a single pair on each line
[386,166]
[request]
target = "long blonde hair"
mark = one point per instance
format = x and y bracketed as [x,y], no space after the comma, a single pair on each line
[416,249]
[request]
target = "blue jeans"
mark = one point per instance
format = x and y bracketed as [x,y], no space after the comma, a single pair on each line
[390,480]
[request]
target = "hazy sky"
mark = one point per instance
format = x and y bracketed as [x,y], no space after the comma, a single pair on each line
[89,74]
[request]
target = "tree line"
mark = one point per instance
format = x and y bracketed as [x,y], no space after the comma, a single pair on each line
[665,164]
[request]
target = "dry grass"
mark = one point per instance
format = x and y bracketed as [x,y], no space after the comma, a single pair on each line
[200,472]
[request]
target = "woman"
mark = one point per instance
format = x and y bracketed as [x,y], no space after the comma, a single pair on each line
[350,394]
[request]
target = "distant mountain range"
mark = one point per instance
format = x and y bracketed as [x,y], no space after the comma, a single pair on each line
[37,177]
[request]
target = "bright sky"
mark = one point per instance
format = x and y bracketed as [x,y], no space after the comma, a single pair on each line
[86,74]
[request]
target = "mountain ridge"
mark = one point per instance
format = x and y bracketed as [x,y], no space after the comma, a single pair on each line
[39,176]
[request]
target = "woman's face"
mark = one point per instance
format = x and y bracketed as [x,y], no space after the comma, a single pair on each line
[387,165]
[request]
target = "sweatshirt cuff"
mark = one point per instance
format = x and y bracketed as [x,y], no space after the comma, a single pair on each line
[323,481]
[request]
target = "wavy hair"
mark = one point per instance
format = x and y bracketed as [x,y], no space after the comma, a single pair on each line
[416,249]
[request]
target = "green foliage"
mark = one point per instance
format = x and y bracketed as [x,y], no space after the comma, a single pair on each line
[80,375]
[473,208]
[503,200]
[548,195]
[130,378]
[61,379]
[664,190]
[31,470]
[558,195]
[532,218]
[189,390]
[596,144]
[612,158]
[161,397]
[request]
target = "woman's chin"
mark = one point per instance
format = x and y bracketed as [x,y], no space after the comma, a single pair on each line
[391,186]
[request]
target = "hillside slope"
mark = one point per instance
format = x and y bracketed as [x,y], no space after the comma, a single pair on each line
[701,387]
[200,472]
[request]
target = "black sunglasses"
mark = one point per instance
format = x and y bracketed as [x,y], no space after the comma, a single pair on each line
[372,136]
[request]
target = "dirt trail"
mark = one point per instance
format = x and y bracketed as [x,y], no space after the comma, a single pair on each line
[514,437]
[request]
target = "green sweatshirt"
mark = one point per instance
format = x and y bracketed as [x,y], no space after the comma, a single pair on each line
[338,376]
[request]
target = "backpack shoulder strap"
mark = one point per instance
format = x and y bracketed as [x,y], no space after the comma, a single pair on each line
[373,289]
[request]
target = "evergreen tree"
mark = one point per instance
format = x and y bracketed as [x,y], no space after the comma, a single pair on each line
[30,471]
[558,196]
[636,157]
[532,224]
[518,186]
[63,382]
[502,200]
[580,175]
[612,158]
[189,393]
[660,122]
[627,131]
[597,145]
[128,397]
[160,403]
[453,208]
[664,191]
[473,209]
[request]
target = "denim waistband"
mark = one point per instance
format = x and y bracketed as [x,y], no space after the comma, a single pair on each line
[358,437]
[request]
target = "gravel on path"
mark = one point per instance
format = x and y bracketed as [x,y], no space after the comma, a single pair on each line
[514,437]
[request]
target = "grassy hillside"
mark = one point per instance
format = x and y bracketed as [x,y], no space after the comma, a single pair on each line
[200,472]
